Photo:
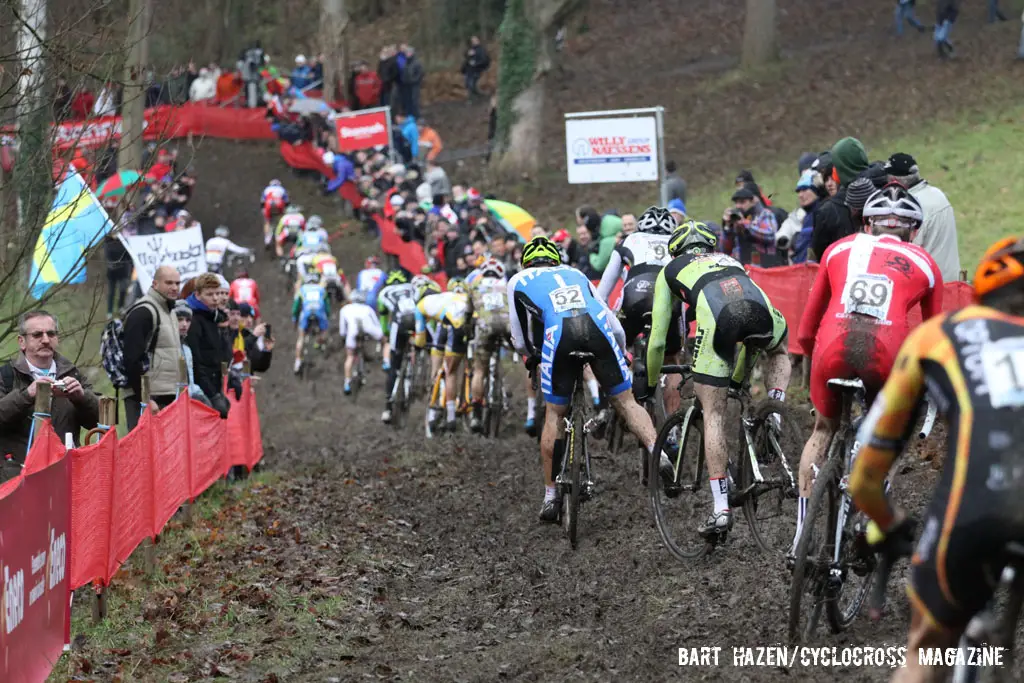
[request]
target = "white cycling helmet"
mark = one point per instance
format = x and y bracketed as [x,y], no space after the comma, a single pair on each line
[222,231]
[493,267]
[358,297]
[893,208]
[275,183]
[314,222]
[657,221]
[291,210]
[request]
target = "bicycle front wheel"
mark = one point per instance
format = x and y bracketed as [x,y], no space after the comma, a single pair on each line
[678,506]
[574,452]
[495,400]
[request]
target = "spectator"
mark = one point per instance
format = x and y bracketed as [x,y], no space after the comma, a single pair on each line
[438,179]
[611,226]
[184,316]
[302,74]
[82,103]
[751,226]
[673,187]
[366,87]
[587,246]
[387,70]
[677,209]
[805,161]
[474,65]
[151,340]
[856,197]
[250,64]
[119,273]
[343,170]
[430,141]
[628,224]
[72,408]
[832,222]
[410,134]
[946,12]
[994,13]
[206,341]
[411,80]
[259,346]
[938,232]
[905,13]
[62,100]
[204,87]
[795,233]
[588,216]
[106,103]
[571,249]
[451,248]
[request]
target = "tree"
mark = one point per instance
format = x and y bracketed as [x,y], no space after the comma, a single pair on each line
[759,35]
[134,92]
[334,24]
[527,56]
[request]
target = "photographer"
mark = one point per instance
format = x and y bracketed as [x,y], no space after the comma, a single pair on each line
[750,228]
[250,62]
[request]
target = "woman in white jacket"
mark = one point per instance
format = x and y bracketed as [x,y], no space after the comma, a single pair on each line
[204,87]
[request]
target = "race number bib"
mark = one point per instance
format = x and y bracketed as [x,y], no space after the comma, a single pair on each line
[1003,362]
[330,269]
[567,298]
[659,253]
[312,297]
[868,294]
[493,301]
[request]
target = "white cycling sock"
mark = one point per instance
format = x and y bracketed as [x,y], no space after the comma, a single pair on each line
[450,408]
[531,408]
[720,491]
[801,514]
[431,414]
[549,493]
[595,390]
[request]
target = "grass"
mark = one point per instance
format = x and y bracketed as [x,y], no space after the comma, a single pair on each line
[974,161]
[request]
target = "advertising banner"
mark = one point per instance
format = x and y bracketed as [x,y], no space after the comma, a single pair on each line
[612,150]
[182,249]
[35,618]
[363,129]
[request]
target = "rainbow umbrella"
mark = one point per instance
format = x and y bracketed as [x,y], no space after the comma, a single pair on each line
[117,185]
[512,217]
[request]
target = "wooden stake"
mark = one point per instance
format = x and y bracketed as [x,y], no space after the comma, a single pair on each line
[99,604]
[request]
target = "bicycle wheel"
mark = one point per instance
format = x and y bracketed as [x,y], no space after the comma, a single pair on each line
[435,396]
[678,517]
[770,508]
[574,451]
[809,587]
[495,400]
[399,395]
[857,563]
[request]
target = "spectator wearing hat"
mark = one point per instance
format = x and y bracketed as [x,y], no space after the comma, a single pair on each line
[749,228]
[183,314]
[938,232]
[795,232]
[856,197]
[673,187]
[805,161]
[832,217]
[438,179]
[302,74]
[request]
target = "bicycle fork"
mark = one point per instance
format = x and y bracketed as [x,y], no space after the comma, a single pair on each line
[563,479]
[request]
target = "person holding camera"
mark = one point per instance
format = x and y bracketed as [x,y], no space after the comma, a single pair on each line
[73,407]
[750,228]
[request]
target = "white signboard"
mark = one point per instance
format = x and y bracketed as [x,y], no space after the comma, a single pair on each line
[182,249]
[612,150]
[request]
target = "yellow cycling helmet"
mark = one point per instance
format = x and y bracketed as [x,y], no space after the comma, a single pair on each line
[427,288]
[457,285]
[692,235]
[540,251]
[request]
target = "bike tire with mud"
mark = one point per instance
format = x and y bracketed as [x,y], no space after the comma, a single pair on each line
[574,451]
[495,401]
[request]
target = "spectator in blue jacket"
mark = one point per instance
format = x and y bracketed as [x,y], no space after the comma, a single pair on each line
[343,170]
[302,74]
[411,132]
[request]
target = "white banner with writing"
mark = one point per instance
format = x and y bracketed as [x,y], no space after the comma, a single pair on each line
[182,249]
[612,150]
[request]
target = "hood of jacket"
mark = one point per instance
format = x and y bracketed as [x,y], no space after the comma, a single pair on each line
[610,226]
[849,158]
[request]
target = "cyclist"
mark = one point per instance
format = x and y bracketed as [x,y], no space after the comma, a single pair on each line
[244,290]
[311,306]
[447,310]
[288,229]
[639,259]
[273,202]
[396,303]
[325,264]
[219,245]
[856,316]
[369,276]
[730,311]
[355,319]
[488,299]
[555,310]
[313,236]
[396,276]
[972,363]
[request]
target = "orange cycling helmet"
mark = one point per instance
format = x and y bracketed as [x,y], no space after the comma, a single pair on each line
[1001,266]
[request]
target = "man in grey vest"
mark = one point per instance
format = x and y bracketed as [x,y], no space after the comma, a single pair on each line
[151,332]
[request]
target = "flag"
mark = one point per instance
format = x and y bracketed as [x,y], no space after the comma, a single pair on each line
[75,224]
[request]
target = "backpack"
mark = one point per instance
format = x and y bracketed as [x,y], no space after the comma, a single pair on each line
[112,348]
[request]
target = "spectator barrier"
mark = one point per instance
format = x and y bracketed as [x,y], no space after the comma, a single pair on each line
[122,491]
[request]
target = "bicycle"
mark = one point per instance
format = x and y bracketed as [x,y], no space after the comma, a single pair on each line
[463,408]
[309,337]
[359,366]
[494,393]
[985,628]
[401,392]
[832,559]
[760,476]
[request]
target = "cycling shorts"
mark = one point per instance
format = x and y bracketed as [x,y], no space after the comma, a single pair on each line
[729,312]
[559,369]
[488,338]
[400,329]
[637,302]
[318,317]
[456,342]
[272,210]
[858,353]
[287,237]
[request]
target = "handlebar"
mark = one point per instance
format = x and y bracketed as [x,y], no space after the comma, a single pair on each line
[676,369]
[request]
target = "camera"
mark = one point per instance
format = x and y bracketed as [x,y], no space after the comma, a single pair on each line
[59,384]
[735,215]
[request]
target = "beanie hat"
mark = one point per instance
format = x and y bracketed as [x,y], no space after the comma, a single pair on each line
[677,205]
[223,282]
[182,310]
[857,194]
[806,159]
[744,176]
[849,158]
[806,181]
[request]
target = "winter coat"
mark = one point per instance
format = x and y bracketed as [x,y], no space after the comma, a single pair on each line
[387,69]
[16,407]
[302,76]
[675,188]
[208,347]
[413,72]
[476,60]
[832,222]
[938,232]
[611,226]
[139,326]
[203,88]
[439,183]
[412,135]
[366,89]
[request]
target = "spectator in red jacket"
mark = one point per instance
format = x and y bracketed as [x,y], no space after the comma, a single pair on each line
[82,104]
[366,87]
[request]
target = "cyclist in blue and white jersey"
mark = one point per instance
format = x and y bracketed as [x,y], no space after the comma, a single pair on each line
[311,306]
[368,279]
[555,310]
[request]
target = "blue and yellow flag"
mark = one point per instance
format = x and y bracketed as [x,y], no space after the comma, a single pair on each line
[75,224]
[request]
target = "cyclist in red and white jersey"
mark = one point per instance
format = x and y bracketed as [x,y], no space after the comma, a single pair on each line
[273,201]
[244,290]
[856,317]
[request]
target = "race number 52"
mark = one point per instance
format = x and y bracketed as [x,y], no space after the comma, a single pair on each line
[567,298]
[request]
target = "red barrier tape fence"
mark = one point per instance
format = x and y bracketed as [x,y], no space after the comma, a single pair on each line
[122,491]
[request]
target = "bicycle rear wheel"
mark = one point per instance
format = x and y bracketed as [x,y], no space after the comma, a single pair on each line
[399,395]
[769,507]
[574,452]
[495,400]
[678,517]
[810,582]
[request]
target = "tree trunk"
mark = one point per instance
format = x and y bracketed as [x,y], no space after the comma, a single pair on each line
[33,167]
[333,27]
[133,100]
[759,36]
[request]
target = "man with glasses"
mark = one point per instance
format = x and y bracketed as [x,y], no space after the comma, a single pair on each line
[74,406]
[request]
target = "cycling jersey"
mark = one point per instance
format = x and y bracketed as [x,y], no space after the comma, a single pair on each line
[327,265]
[397,303]
[448,311]
[244,290]
[729,308]
[311,302]
[312,239]
[304,263]
[273,200]
[289,227]
[972,364]
[368,278]
[355,319]
[557,309]
[489,298]
[217,247]
[856,316]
